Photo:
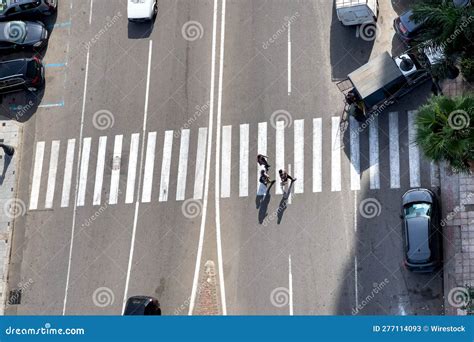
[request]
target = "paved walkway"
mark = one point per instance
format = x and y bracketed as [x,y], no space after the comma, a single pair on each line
[10,134]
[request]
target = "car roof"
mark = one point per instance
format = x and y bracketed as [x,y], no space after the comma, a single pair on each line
[136,305]
[409,23]
[13,67]
[418,236]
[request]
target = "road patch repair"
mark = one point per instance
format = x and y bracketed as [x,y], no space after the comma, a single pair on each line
[207,302]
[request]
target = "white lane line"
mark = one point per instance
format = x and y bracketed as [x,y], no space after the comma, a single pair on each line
[226,160]
[434,174]
[317,155]
[394,150]
[299,155]
[290,286]
[73,229]
[355,154]
[289,58]
[137,203]
[413,151]
[218,150]
[166,166]
[244,161]
[116,164]
[99,170]
[289,194]
[71,143]
[374,153]
[335,154]
[90,12]
[81,193]
[132,167]
[53,169]
[200,163]
[149,167]
[183,165]
[279,152]
[356,281]
[261,145]
[37,170]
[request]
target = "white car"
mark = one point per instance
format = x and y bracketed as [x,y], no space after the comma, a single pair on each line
[141,10]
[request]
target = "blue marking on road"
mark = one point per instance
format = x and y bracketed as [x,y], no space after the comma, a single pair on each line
[55,65]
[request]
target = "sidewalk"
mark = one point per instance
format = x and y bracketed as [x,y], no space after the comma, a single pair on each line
[10,134]
[457,201]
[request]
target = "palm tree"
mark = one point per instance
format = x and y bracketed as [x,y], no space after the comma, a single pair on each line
[445,131]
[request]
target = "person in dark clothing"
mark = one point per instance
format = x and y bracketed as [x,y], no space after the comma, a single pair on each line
[265,179]
[262,160]
[284,176]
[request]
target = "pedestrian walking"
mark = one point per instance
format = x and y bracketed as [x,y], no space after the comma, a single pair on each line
[263,161]
[284,176]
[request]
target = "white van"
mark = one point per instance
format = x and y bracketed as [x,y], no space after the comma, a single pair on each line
[357,12]
[141,10]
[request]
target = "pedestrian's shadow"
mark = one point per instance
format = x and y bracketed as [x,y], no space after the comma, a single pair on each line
[284,203]
[262,205]
[7,160]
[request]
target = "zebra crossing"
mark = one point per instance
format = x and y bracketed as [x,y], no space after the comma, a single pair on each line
[109,166]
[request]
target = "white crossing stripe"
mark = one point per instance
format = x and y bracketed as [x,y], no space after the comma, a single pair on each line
[374,153]
[434,174]
[244,161]
[99,170]
[166,166]
[200,163]
[183,165]
[71,143]
[413,151]
[317,155]
[355,154]
[261,146]
[335,154]
[132,167]
[226,161]
[149,167]
[81,192]
[115,176]
[299,155]
[279,152]
[53,169]
[37,170]
[394,150]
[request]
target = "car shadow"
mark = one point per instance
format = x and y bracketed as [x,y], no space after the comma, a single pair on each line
[140,30]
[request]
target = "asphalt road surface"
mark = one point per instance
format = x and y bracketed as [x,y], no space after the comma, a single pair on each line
[139,176]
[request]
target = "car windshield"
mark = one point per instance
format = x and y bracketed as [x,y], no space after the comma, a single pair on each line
[417,209]
[15,31]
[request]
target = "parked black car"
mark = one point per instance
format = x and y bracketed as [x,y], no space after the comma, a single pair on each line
[21,74]
[22,34]
[405,27]
[10,9]
[142,305]
[421,230]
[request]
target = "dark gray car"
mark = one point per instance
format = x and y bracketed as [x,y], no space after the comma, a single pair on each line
[10,9]
[22,34]
[420,219]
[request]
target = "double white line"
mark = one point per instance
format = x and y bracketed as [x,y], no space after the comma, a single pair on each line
[217,161]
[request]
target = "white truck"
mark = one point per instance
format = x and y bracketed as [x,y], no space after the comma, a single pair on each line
[357,12]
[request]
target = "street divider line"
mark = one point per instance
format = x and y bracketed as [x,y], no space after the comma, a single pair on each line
[149,167]
[81,193]
[166,166]
[132,167]
[226,161]
[244,160]
[394,150]
[37,170]
[71,143]
[115,176]
[182,165]
[200,163]
[99,170]
[53,169]
[317,155]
